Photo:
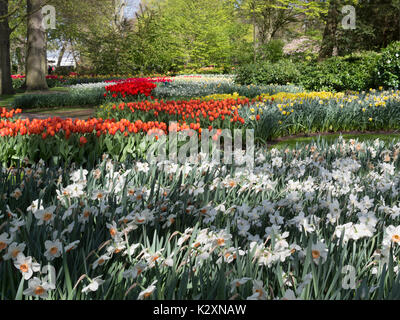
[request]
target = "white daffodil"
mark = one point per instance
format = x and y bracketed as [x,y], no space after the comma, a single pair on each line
[145,294]
[259,292]
[319,252]
[53,249]
[391,236]
[136,271]
[79,176]
[94,285]
[236,283]
[37,288]
[100,261]
[26,266]
[14,250]
[98,195]
[16,194]
[72,246]
[5,240]
[45,216]
[35,206]
[113,229]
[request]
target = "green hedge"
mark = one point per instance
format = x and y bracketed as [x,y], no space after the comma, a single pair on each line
[91,97]
[281,73]
[354,72]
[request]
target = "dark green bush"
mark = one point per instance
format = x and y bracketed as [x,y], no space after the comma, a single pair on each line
[281,73]
[355,72]
[17,83]
[272,51]
[388,67]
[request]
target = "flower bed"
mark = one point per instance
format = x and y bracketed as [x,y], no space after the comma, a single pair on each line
[79,202]
[278,116]
[131,89]
[293,228]
[218,114]
[8,114]
[64,141]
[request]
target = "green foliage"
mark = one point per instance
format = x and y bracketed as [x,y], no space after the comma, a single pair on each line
[355,72]
[388,67]
[17,83]
[377,25]
[281,73]
[272,51]
[76,98]
[204,33]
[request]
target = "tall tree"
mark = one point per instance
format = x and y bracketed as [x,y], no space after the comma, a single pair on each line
[273,16]
[36,59]
[78,22]
[331,23]
[5,65]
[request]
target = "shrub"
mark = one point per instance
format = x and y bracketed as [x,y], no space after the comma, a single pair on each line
[388,67]
[354,72]
[281,73]
[272,51]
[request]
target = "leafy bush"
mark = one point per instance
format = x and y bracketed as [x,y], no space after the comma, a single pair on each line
[355,72]
[17,83]
[206,70]
[281,73]
[272,51]
[388,67]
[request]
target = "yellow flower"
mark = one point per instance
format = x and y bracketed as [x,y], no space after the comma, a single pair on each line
[370,119]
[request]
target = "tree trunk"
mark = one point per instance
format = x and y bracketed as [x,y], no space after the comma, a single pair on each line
[254,37]
[61,55]
[5,65]
[36,54]
[329,38]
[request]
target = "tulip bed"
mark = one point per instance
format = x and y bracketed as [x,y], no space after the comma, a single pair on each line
[83,215]
[64,141]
